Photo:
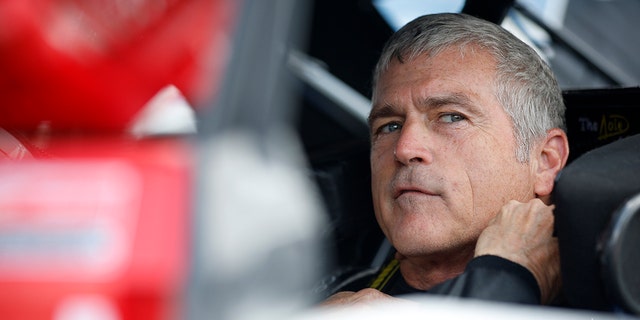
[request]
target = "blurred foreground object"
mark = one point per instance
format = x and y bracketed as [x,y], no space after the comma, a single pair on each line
[419,307]
[95,184]
[100,229]
[259,218]
[91,65]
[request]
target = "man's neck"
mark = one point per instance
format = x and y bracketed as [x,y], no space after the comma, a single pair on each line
[423,273]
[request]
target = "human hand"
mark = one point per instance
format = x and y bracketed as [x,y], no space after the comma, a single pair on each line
[363,297]
[523,233]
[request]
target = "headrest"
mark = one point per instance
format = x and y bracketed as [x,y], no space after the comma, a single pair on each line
[597,220]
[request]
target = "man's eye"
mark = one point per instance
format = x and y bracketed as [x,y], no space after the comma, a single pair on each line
[390,127]
[452,117]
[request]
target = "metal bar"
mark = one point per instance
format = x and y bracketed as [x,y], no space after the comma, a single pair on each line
[582,50]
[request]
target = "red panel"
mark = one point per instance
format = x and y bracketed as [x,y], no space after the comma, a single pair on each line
[100,228]
[91,65]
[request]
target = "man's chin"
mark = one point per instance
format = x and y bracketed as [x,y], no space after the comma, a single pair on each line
[430,247]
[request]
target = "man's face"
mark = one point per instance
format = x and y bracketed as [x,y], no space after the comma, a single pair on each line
[443,157]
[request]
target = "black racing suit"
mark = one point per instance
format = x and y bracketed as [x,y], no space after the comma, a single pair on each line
[486,277]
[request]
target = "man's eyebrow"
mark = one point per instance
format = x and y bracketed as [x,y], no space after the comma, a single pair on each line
[381,112]
[448,99]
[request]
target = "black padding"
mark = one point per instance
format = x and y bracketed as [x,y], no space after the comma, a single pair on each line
[586,194]
[620,258]
[343,176]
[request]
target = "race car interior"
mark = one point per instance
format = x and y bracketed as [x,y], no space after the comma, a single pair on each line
[337,148]
[261,191]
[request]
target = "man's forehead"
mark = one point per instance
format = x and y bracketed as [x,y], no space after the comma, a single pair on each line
[444,64]
[461,50]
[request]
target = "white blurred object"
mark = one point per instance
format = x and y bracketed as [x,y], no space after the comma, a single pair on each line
[258,228]
[419,307]
[167,113]
[87,307]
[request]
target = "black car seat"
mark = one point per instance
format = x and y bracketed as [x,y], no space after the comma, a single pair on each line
[597,198]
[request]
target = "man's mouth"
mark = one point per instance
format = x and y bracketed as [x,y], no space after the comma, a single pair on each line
[407,190]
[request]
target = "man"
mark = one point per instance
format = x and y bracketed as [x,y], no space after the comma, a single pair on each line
[466,140]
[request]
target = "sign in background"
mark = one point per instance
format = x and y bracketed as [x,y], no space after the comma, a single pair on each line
[599,117]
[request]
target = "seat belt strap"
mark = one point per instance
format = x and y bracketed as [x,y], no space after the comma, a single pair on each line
[385,275]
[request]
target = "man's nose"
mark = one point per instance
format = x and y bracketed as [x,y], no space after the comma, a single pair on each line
[413,145]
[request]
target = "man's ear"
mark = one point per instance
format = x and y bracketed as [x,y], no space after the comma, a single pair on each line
[551,157]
